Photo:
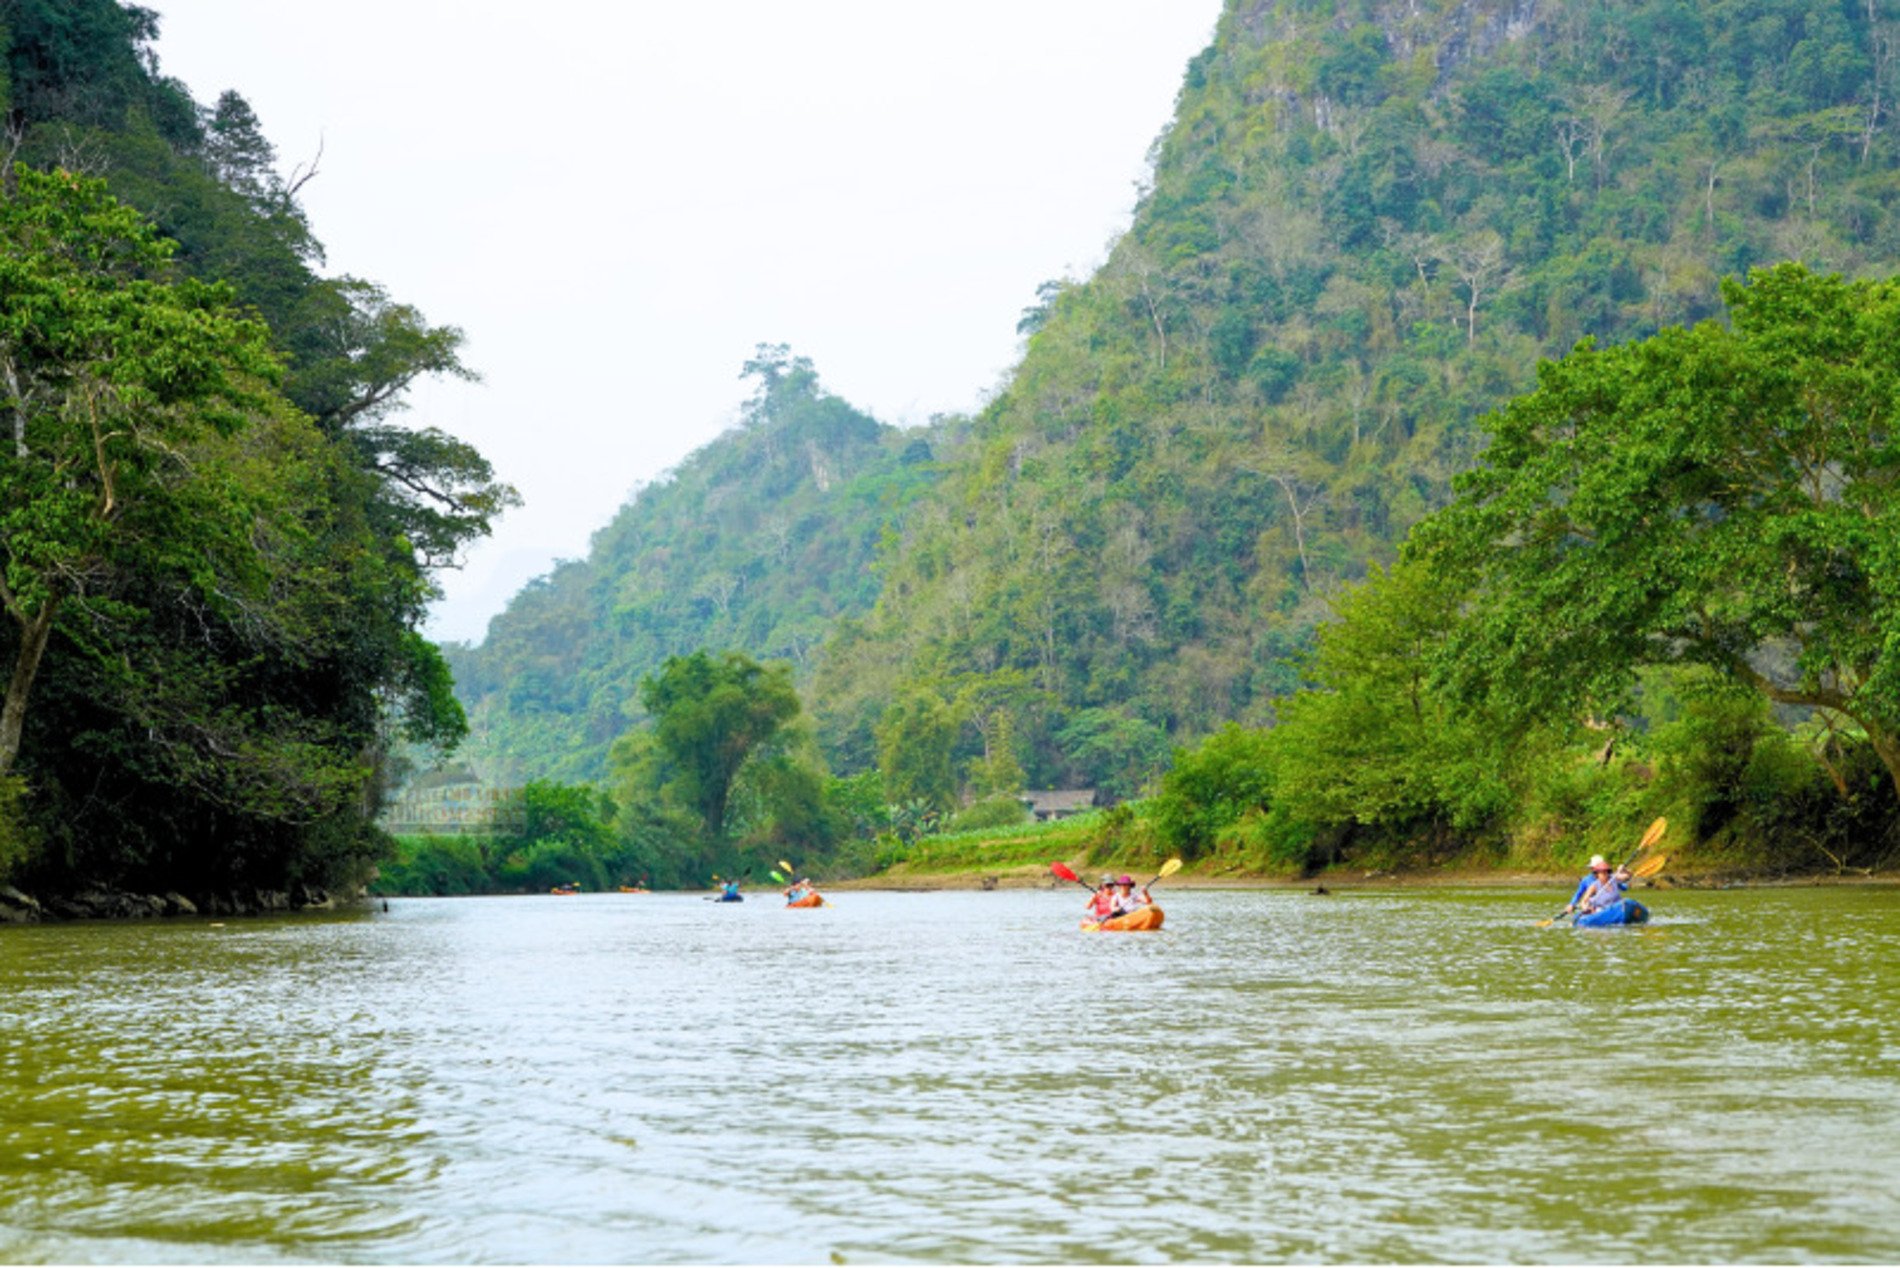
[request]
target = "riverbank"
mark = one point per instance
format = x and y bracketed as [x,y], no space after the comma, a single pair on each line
[103,902]
[905,878]
[1121,840]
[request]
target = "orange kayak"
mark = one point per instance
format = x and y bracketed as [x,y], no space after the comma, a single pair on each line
[625,889]
[1148,917]
[813,899]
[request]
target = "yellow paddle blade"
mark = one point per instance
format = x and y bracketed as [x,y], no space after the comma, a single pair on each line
[787,866]
[1654,834]
[1649,866]
[1170,868]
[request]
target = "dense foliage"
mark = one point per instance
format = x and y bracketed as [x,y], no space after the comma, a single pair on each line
[1663,541]
[1367,224]
[758,542]
[218,542]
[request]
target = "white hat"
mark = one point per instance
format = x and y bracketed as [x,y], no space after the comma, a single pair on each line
[1597,860]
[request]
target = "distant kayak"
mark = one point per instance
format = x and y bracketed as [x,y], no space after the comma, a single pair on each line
[730,898]
[813,899]
[1626,912]
[1137,921]
[565,889]
[634,889]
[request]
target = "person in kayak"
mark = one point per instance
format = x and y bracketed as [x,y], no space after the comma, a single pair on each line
[1601,888]
[800,888]
[1102,901]
[729,892]
[1127,898]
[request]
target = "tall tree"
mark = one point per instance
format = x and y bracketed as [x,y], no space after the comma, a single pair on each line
[1726,496]
[711,714]
[112,374]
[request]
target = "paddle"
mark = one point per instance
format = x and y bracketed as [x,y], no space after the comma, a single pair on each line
[1167,869]
[787,880]
[1063,872]
[1649,868]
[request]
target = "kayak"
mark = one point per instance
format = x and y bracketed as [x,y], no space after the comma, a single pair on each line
[1148,917]
[1626,912]
[730,898]
[813,899]
[634,889]
[566,890]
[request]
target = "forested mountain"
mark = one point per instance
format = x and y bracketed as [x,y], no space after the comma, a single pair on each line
[1366,225]
[217,539]
[759,541]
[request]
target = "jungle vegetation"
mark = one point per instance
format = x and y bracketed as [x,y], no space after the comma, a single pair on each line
[216,536]
[1166,557]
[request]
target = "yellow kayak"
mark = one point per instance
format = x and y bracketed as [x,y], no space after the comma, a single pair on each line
[1148,917]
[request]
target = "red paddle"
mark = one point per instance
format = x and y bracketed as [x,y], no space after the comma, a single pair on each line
[1064,872]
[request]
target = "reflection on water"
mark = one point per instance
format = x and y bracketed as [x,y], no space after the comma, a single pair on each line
[1392,1076]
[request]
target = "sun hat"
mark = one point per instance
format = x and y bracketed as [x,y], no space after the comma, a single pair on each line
[1597,860]
[1124,879]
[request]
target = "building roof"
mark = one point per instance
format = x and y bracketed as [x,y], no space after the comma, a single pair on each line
[1045,800]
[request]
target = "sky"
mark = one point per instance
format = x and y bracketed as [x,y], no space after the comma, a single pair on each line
[618,200]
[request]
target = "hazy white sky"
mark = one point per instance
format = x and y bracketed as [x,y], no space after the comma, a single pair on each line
[618,199]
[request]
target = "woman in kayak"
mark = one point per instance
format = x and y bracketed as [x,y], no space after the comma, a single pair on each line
[1126,898]
[1102,901]
[1600,888]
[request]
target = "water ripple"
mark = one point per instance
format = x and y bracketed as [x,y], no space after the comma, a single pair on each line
[959,1077]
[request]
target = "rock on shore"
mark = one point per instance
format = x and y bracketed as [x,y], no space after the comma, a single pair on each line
[102,902]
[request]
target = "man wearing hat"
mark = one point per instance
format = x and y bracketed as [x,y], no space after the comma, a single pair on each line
[1600,887]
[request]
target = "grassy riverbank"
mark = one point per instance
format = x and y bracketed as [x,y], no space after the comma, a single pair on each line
[1121,840]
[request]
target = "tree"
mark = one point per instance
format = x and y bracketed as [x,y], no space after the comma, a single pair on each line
[112,374]
[710,716]
[1374,742]
[914,742]
[1720,496]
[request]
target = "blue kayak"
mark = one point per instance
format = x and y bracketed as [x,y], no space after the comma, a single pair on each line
[1626,912]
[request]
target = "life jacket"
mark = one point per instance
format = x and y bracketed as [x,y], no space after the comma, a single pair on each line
[1103,903]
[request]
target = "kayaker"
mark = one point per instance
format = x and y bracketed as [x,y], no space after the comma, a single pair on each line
[1600,888]
[729,891]
[1126,897]
[1102,901]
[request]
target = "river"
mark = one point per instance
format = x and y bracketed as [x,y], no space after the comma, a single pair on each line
[1384,1076]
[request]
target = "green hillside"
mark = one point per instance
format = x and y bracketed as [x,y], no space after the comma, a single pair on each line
[1366,225]
[759,541]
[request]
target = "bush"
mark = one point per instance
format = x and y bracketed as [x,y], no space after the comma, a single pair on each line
[434,865]
[1000,811]
[1211,787]
[17,837]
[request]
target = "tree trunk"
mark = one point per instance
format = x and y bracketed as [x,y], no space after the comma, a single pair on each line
[33,638]
[1886,747]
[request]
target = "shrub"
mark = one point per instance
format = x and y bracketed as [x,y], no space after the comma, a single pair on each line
[1000,811]
[1212,786]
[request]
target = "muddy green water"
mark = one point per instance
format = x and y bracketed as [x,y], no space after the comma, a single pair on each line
[1418,1076]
